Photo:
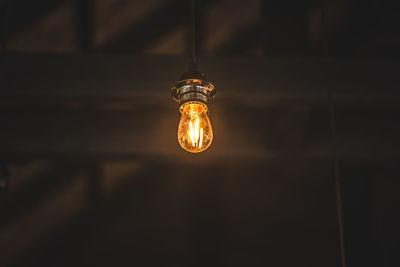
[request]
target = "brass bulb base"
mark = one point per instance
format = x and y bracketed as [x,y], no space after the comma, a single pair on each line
[193,88]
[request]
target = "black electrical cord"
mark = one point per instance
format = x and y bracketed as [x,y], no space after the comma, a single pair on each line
[193,41]
[4,173]
[5,26]
[4,178]
[335,157]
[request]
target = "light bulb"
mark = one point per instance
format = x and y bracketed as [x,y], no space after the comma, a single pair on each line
[194,131]
[193,92]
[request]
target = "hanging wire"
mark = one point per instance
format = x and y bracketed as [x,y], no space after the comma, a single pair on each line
[4,173]
[336,168]
[4,178]
[193,29]
[5,26]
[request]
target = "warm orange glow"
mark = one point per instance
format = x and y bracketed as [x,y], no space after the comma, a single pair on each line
[194,133]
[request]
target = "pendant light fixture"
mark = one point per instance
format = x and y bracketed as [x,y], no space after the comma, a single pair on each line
[193,92]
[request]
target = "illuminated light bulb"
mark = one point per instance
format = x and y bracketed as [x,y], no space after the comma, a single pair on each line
[193,92]
[194,131]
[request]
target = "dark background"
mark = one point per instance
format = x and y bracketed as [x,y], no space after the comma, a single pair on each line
[97,177]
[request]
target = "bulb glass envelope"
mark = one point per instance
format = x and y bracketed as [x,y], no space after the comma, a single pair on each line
[194,131]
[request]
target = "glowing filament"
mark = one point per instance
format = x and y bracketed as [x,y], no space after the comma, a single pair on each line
[195,133]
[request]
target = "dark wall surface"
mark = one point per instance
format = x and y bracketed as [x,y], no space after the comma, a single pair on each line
[98,178]
[91,173]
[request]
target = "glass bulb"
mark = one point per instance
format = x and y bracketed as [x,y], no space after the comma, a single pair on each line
[194,132]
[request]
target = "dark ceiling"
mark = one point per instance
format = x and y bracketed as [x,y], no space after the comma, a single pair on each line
[352,28]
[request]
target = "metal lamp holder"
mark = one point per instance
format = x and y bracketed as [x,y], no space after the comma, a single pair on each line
[193,87]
